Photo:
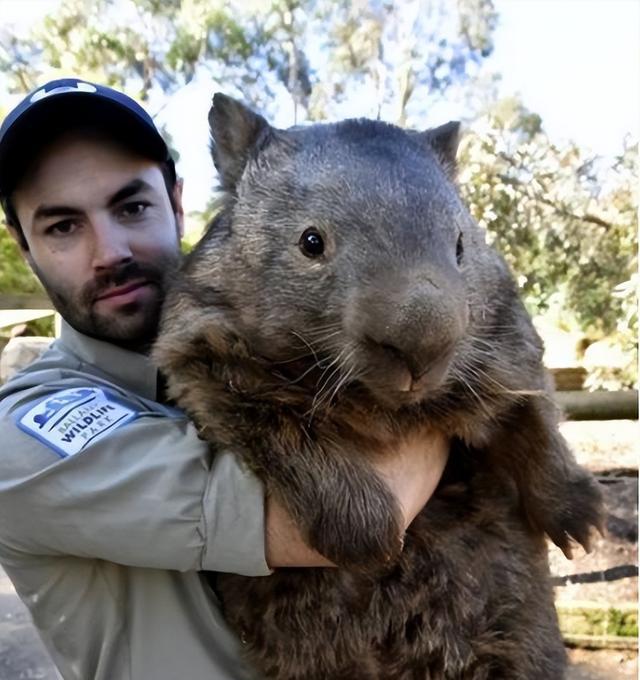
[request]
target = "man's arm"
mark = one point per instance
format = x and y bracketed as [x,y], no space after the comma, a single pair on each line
[412,472]
[150,494]
[147,494]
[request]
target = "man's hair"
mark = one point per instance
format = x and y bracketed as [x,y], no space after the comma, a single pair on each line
[167,168]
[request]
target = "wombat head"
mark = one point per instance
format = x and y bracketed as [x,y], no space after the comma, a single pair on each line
[342,248]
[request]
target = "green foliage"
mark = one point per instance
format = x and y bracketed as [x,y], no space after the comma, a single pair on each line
[597,622]
[15,275]
[44,327]
[565,222]
[622,623]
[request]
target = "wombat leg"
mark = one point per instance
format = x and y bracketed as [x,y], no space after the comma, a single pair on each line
[558,496]
[343,509]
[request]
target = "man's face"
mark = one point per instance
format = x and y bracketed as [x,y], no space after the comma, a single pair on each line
[103,237]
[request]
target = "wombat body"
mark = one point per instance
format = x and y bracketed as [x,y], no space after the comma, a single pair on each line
[342,300]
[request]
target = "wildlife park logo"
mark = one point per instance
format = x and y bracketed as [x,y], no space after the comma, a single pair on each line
[70,420]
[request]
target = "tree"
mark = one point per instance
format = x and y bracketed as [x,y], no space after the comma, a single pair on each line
[312,58]
[566,223]
[265,48]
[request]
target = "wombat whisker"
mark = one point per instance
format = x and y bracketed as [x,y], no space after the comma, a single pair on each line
[341,379]
[326,338]
[508,391]
[497,331]
[292,359]
[332,348]
[313,352]
[301,376]
[465,383]
[482,353]
[477,342]
[324,379]
[321,341]
[475,375]
[325,393]
[331,328]
[482,375]
[341,383]
[530,393]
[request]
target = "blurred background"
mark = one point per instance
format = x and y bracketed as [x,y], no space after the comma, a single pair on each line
[548,91]
[549,95]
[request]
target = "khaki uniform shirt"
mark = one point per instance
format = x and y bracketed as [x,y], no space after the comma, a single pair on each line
[110,505]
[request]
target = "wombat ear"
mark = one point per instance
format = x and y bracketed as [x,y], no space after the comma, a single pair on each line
[235,129]
[444,141]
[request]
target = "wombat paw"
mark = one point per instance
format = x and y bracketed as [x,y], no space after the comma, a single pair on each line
[367,546]
[571,514]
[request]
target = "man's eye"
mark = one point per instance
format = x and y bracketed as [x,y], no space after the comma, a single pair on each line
[62,228]
[134,209]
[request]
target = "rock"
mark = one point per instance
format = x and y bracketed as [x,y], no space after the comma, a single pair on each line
[19,352]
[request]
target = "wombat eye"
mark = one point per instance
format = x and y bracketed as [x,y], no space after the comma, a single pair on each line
[459,250]
[311,243]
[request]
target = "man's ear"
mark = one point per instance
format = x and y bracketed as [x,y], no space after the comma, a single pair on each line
[177,205]
[235,131]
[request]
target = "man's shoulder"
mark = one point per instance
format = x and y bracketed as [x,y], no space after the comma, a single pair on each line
[57,370]
[65,404]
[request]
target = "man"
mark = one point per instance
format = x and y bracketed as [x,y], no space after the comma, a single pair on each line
[110,505]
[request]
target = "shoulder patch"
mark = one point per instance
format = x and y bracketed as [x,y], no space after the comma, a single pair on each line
[69,420]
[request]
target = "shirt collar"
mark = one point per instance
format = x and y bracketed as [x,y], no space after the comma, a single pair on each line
[133,370]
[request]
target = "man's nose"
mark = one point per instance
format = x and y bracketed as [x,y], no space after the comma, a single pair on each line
[111,243]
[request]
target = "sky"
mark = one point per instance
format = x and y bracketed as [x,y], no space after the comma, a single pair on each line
[574,62]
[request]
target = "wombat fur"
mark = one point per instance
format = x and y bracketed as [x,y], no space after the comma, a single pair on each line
[342,299]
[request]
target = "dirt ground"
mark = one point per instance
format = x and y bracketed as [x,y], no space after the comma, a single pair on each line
[602,664]
[610,450]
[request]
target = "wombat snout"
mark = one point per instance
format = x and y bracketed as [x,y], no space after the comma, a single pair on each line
[408,330]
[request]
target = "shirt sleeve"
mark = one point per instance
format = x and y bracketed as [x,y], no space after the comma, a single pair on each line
[147,494]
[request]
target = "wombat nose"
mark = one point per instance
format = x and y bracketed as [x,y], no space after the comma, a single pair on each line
[418,359]
[417,335]
[408,324]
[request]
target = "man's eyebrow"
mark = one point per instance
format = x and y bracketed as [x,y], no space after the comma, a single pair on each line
[130,189]
[133,187]
[44,211]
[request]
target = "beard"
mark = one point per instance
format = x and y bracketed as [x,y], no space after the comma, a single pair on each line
[133,325]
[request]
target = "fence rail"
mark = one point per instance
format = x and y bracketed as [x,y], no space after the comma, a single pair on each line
[621,405]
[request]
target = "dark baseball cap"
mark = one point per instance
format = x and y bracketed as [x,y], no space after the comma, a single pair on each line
[66,104]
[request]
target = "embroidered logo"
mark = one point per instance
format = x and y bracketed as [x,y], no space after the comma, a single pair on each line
[70,420]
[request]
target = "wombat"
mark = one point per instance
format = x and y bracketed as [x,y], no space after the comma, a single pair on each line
[342,299]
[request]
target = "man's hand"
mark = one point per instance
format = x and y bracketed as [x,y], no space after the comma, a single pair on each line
[411,471]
